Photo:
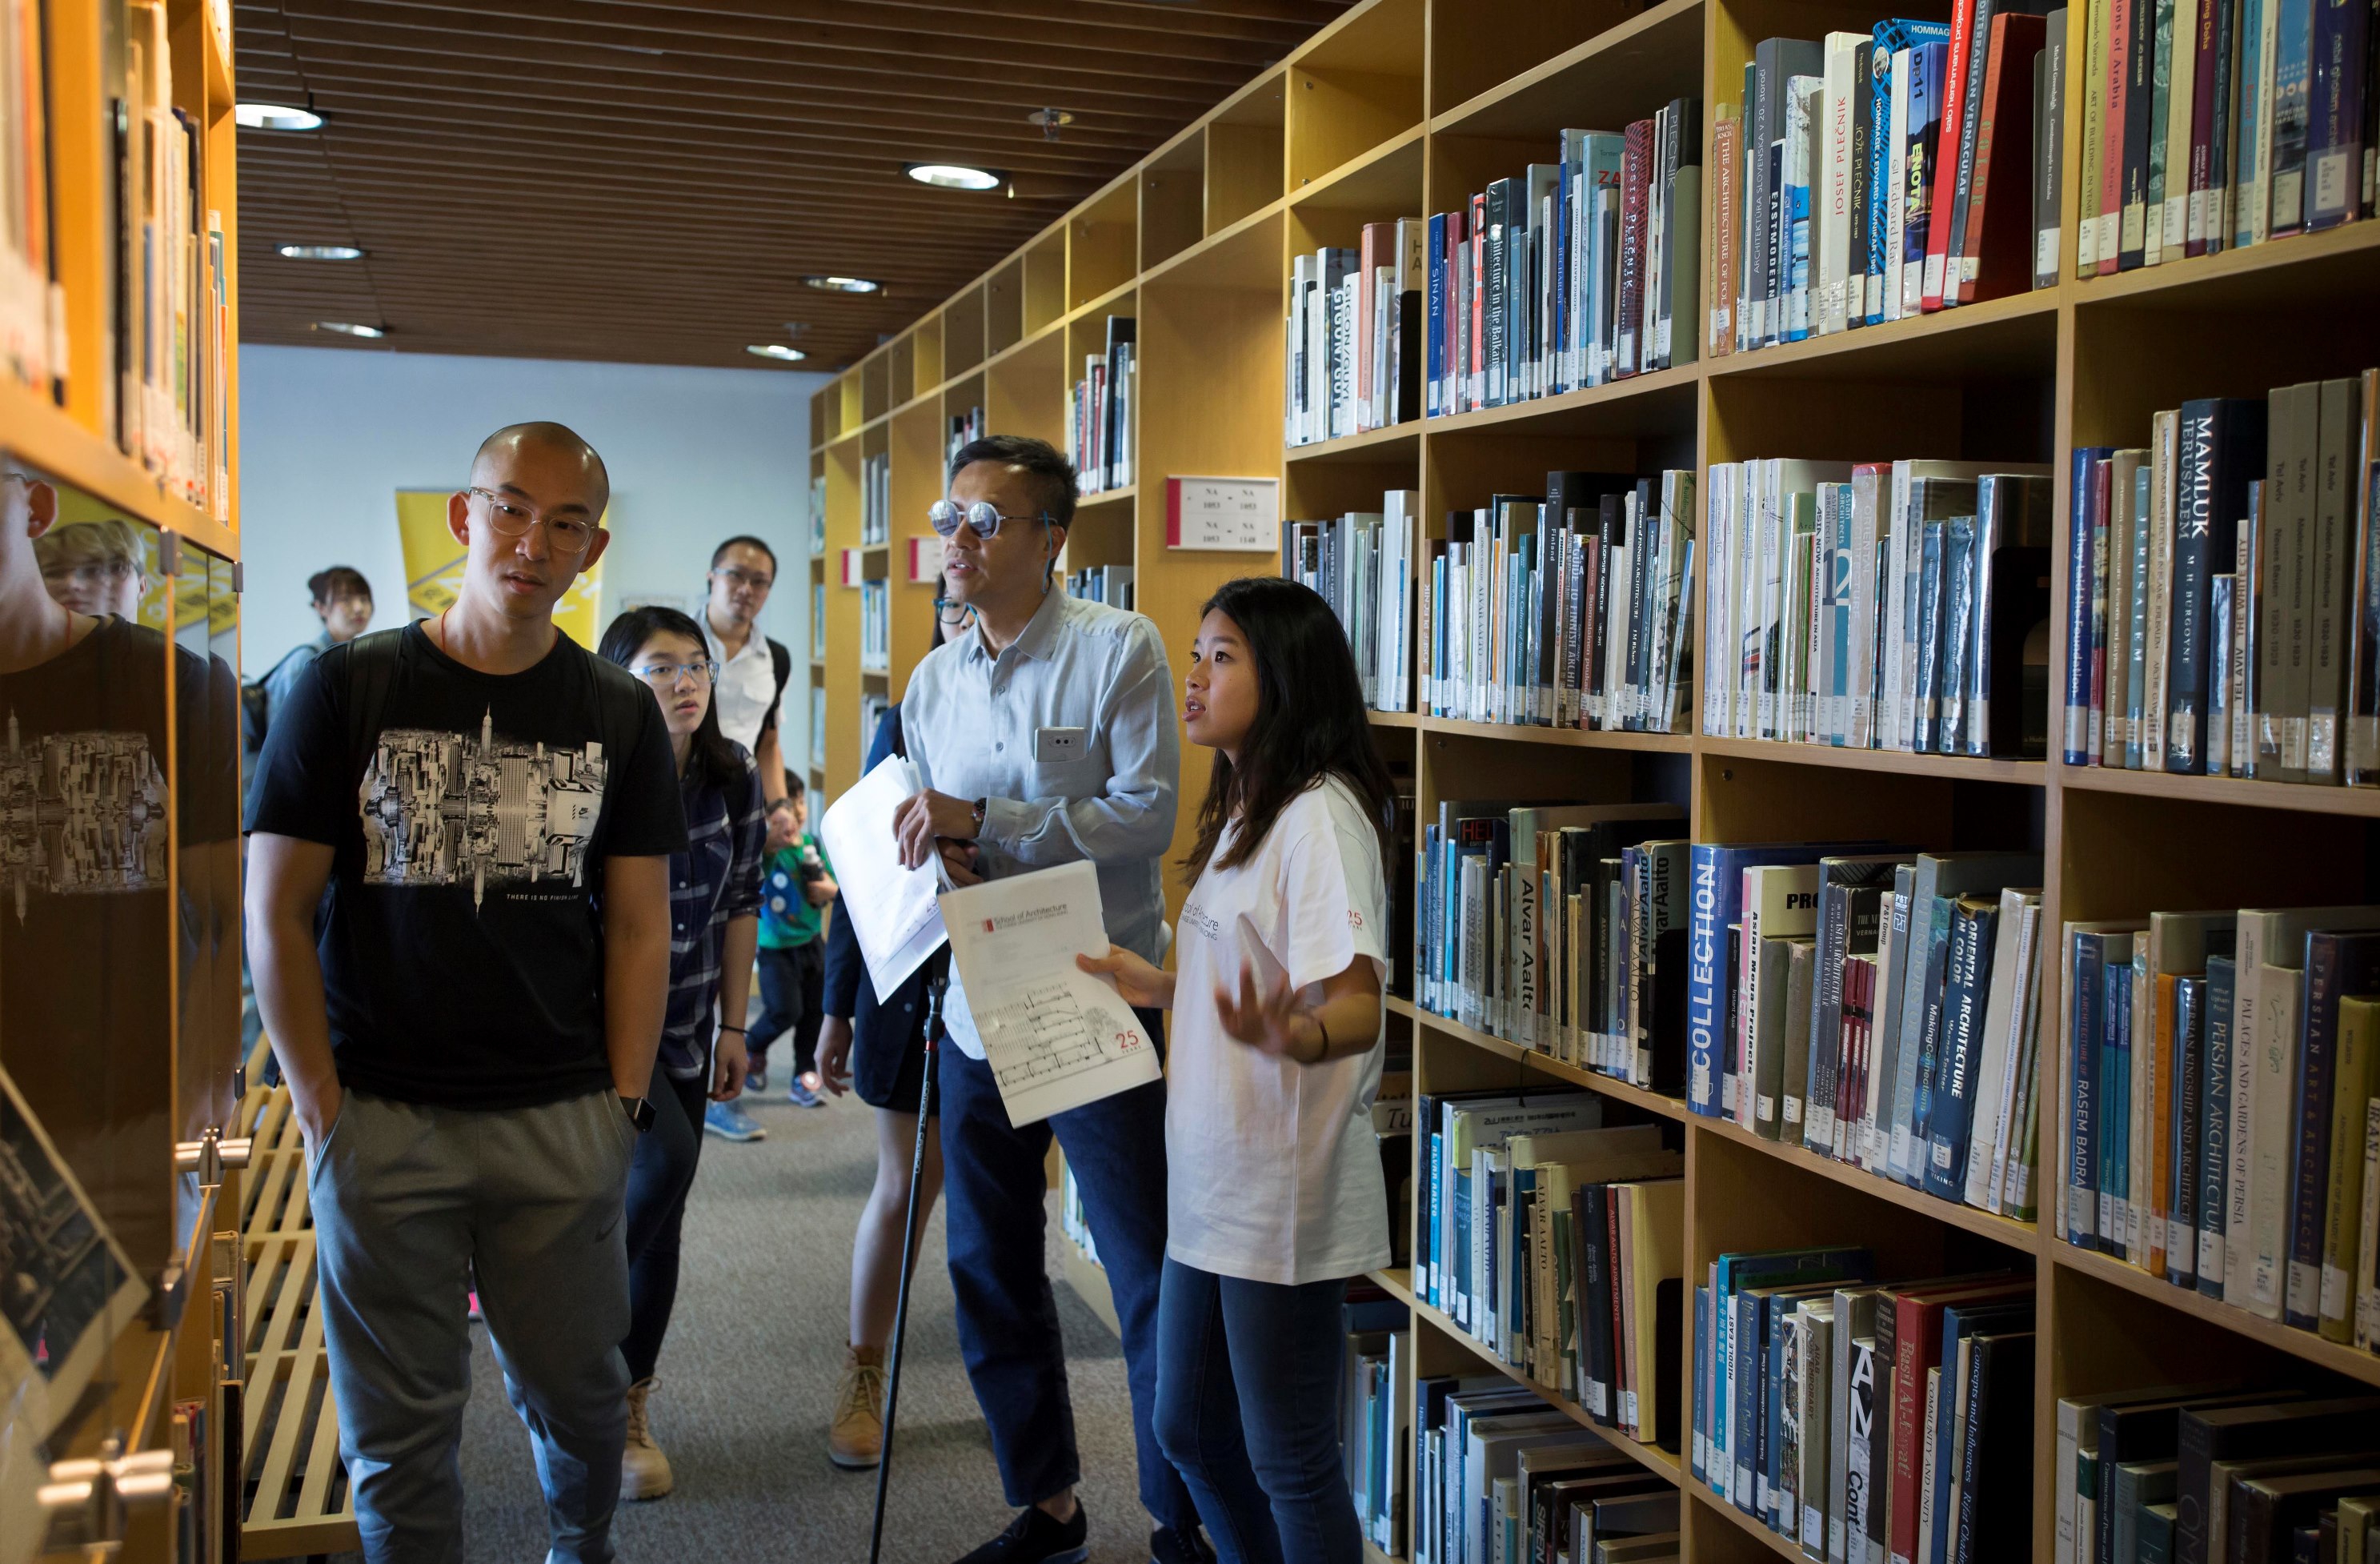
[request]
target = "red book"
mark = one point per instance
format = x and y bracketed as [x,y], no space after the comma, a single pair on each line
[1945,160]
[2000,261]
[1379,239]
[2111,139]
[1916,1347]
[2202,129]
[2102,491]
[1635,177]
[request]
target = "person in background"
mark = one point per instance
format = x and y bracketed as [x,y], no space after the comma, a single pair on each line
[342,601]
[94,567]
[883,1045]
[797,888]
[470,1044]
[1275,1194]
[715,903]
[1045,735]
[753,673]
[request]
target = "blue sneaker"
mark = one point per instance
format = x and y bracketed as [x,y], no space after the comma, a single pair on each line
[756,1080]
[800,1096]
[730,1123]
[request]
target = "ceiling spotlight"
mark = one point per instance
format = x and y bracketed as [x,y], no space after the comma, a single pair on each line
[349,328]
[1050,121]
[275,116]
[844,284]
[778,351]
[951,175]
[319,252]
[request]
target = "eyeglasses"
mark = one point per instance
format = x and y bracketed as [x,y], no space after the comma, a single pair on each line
[566,534]
[751,579]
[942,606]
[983,515]
[667,673]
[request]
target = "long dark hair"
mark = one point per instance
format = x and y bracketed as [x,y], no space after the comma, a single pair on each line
[712,759]
[1310,724]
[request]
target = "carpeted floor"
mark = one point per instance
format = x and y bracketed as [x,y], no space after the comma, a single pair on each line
[751,1363]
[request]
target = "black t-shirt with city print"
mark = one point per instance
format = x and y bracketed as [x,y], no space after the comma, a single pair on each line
[462,955]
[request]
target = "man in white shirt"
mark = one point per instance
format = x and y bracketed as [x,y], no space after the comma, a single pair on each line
[1046,735]
[753,669]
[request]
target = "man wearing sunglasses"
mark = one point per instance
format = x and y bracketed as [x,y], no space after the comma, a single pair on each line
[1044,735]
[468,1047]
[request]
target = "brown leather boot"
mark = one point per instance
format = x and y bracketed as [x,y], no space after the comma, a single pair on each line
[855,1440]
[644,1470]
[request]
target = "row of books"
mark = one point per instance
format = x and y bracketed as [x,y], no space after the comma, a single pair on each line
[2223,595]
[1559,927]
[875,499]
[875,625]
[1888,174]
[1883,605]
[1352,354]
[1099,427]
[1881,1008]
[2223,1116]
[966,429]
[1376,1414]
[1109,584]
[1362,565]
[1557,1245]
[32,306]
[1571,609]
[2216,1472]
[1507,1477]
[872,707]
[1864,1420]
[818,622]
[2213,125]
[817,515]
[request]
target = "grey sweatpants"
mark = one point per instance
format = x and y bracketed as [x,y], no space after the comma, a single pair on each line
[415,1206]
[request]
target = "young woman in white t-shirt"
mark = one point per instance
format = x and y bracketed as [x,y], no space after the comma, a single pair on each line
[1275,1194]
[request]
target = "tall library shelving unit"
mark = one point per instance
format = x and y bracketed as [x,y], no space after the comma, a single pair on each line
[1403,107]
[137,1407]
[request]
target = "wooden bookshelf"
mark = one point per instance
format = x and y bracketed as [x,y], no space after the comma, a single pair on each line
[1402,108]
[139,1103]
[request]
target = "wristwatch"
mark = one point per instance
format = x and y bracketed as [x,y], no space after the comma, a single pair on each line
[639,1110]
[980,806]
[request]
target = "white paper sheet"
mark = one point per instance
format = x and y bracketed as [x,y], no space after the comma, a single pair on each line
[1056,1036]
[892,909]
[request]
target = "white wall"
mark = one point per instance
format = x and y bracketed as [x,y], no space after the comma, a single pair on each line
[328,436]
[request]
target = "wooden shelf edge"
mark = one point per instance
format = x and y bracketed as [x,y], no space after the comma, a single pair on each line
[1611,1087]
[2307,797]
[2346,239]
[1107,497]
[1753,1524]
[1392,718]
[1451,121]
[1660,1462]
[2021,1236]
[2301,1345]
[1352,444]
[1397,1282]
[1890,333]
[1679,378]
[1962,767]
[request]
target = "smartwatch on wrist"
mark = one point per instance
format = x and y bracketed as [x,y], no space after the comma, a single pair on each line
[981,804]
[639,1110]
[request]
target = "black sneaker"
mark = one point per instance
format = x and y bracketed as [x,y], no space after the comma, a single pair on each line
[1034,1538]
[1179,1544]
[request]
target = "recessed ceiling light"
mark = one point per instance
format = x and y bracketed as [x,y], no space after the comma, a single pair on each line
[275,116]
[777,351]
[843,284]
[319,252]
[349,328]
[951,175]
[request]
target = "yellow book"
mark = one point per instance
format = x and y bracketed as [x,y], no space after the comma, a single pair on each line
[1656,1213]
[2356,1079]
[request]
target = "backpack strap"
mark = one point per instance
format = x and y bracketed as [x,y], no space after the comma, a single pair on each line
[782,662]
[372,669]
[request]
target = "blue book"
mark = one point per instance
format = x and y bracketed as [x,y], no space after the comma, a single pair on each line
[1942,919]
[2215,1126]
[1960,596]
[2183,1125]
[2119,997]
[2136,633]
[1973,926]
[1929,634]
[2292,99]
[1434,309]
[2086,965]
[1729,1275]
[2247,174]
[1958,1323]
[1710,977]
[1698,1455]
[2085,603]
[1929,66]
[1889,37]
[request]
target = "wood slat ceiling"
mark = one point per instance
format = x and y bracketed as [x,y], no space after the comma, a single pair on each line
[651,180]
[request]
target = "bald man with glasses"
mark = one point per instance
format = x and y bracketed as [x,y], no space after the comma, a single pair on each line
[493,808]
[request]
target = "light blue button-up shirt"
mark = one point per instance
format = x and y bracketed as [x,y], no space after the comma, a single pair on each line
[972,720]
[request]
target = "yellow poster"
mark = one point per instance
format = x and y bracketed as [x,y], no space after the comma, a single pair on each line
[433,568]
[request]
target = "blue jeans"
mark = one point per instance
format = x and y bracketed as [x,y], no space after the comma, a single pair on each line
[993,1185]
[1248,1406]
[661,1176]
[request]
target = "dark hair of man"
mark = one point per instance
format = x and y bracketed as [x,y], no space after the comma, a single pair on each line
[713,759]
[555,437]
[748,541]
[1310,724]
[339,581]
[1047,466]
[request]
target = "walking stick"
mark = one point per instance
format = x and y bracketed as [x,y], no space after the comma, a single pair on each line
[937,978]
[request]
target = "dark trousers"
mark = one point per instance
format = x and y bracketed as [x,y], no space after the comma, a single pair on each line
[1247,1407]
[792,992]
[993,1184]
[661,1175]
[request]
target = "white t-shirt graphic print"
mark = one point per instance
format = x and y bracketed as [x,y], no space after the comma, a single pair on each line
[1273,1172]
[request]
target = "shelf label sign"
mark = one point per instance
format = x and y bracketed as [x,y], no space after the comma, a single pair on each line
[1233,515]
